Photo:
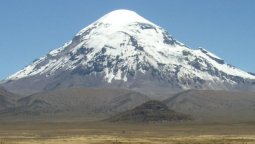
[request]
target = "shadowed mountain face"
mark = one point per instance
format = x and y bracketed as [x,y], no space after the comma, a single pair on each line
[214,106]
[124,50]
[75,103]
[151,111]
[7,99]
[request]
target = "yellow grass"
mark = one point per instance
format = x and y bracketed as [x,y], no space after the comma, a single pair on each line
[105,133]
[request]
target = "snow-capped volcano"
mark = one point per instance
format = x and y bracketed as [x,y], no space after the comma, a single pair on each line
[123,49]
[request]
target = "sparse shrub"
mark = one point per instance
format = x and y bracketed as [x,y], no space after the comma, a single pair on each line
[2,141]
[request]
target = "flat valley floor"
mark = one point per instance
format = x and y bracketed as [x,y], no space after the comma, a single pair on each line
[74,132]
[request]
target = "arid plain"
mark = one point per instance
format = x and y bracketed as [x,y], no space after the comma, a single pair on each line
[118,133]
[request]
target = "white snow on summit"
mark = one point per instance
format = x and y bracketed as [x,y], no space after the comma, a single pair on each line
[119,19]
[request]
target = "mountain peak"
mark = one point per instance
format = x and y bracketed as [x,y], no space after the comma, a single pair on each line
[123,49]
[122,17]
[122,12]
[117,20]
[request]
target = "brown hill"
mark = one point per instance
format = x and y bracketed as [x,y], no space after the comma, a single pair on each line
[151,111]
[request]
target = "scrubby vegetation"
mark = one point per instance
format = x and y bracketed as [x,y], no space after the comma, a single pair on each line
[115,133]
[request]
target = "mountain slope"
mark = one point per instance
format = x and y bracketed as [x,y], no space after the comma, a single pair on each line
[122,49]
[214,106]
[7,99]
[76,103]
[151,111]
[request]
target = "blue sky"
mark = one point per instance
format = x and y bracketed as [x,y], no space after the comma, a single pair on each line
[29,29]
